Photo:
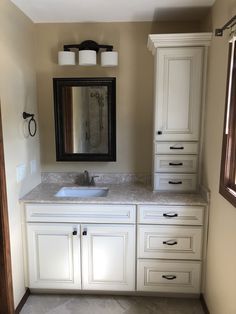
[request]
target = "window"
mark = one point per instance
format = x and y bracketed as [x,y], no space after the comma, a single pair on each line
[228,159]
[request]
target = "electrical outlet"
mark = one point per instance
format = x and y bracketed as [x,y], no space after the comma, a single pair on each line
[33,166]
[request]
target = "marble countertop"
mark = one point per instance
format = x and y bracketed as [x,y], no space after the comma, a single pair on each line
[118,194]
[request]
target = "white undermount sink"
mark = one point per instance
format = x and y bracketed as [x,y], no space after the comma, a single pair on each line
[82,192]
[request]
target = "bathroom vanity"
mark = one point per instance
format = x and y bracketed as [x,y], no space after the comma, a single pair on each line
[131,240]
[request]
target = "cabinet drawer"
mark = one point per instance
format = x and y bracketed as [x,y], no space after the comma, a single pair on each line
[168,276]
[169,242]
[175,182]
[176,163]
[80,213]
[176,148]
[170,215]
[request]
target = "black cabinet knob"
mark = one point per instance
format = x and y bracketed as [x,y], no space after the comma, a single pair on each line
[159,132]
[84,233]
[74,232]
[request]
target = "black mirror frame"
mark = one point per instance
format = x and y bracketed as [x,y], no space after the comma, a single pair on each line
[110,82]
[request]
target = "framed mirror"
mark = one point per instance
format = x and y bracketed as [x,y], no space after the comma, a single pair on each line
[85,119]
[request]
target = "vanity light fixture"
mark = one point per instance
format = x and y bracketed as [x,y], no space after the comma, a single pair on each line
[88,51]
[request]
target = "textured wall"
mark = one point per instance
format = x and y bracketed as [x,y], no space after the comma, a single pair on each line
[17,93]
[221,256]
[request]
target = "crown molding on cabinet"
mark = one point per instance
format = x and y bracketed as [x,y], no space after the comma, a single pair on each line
[178,40]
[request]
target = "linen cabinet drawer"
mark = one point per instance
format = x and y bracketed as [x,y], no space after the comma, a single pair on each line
[81,213]
[175,182]
[169,242]
[170,215]
[176,163]
[176,148]
[168,276]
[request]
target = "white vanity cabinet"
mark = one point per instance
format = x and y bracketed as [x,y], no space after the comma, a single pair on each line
[92,247]
[170,245]
[108,257]
[54,256]
[179,91]
[84,246]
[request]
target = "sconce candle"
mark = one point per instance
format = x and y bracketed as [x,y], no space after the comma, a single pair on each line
[66,58]
[87,57]
[109,58]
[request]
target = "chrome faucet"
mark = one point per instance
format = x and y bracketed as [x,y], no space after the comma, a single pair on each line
[87,180]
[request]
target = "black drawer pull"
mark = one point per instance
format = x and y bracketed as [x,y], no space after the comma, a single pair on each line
[176,147]
[169,277]
[84,233]
[170,242]
[159,132]
[170,215]
[175,182]
[74,232]
[175,164]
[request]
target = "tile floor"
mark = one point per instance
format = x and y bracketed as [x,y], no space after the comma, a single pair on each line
[90,304]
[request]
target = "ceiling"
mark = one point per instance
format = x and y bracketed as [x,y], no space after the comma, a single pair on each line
[52,11]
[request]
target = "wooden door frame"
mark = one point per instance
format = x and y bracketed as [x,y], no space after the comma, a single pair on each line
[6,288]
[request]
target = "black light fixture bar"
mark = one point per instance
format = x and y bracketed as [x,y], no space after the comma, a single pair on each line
[229,24]
[88,45]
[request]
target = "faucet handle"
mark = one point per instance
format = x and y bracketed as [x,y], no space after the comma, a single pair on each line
[92,181]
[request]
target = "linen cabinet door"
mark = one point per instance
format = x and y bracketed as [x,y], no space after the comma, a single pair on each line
[54,256]
[178,93]
[108,257]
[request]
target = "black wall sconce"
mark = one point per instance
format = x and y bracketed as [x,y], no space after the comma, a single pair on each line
[32,126]
[88,50]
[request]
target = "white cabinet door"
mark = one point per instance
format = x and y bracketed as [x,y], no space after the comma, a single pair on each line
[178,93]
[108,257]
[54,256]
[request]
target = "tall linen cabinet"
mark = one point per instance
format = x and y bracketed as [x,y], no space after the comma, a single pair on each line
[179,99]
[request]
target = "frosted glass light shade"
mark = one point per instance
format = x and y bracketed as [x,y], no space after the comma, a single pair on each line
[87,57]
[109,58]
[66,58]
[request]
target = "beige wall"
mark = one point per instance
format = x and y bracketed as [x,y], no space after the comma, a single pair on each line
[17,93]
[220,290]
[134,88]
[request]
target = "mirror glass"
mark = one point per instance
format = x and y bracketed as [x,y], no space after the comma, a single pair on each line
[85,118]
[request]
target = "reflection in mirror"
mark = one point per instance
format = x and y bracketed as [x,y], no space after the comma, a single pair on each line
[85,118]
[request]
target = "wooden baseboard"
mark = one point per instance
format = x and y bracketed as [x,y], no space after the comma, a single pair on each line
[22,302]
[204,305]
